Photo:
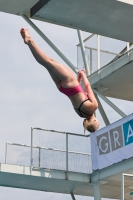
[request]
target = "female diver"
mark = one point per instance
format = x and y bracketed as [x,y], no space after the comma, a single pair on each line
[84,103]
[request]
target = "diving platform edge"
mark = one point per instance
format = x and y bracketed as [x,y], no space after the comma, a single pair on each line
[54,181]
[47,180]
[70,14]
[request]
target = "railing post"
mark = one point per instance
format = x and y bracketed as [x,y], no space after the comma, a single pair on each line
[66,156]
[6,154]
[98,51]
[31,157]
[90,61]
[128,47]
[39,156]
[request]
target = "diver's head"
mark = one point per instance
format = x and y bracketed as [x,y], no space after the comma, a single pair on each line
[91,124]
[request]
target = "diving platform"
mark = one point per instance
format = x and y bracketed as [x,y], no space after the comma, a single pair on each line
[116,78]
[108,18]
[48,180]
[44,180]
[62,167]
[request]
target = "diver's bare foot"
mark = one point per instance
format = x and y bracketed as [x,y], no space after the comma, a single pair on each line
[26,36]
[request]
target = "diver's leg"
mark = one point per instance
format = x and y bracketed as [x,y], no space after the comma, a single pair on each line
[67,77]
[55,78]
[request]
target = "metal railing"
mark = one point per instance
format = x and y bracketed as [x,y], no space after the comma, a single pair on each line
[69,156]
[99,51]
[53,150]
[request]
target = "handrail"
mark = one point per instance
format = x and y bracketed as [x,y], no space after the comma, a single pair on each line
[24,145]
[104,51]
[61,132]
[124,54]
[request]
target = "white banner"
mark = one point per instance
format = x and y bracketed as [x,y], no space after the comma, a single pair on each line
[112,144]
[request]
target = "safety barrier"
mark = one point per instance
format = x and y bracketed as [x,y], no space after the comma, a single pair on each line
[52,150]
[100,51]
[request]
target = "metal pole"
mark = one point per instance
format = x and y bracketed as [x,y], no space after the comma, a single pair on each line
[98,51]
[102,112]
[128,48]
[83,53]
[66,156]
[39,156]
[31,157]
[90,61]
[6,154]
[110,103]
[97,192]
[72,195]
[49,42]
[122,187]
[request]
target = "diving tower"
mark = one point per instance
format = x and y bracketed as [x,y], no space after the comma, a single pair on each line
[107,18]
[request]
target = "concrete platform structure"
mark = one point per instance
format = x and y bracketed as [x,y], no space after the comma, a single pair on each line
[115,79]
[54,181]
[104,17]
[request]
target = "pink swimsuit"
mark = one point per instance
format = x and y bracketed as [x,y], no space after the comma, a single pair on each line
[72,91]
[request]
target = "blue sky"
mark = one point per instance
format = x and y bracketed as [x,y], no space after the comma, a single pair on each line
[29,98]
